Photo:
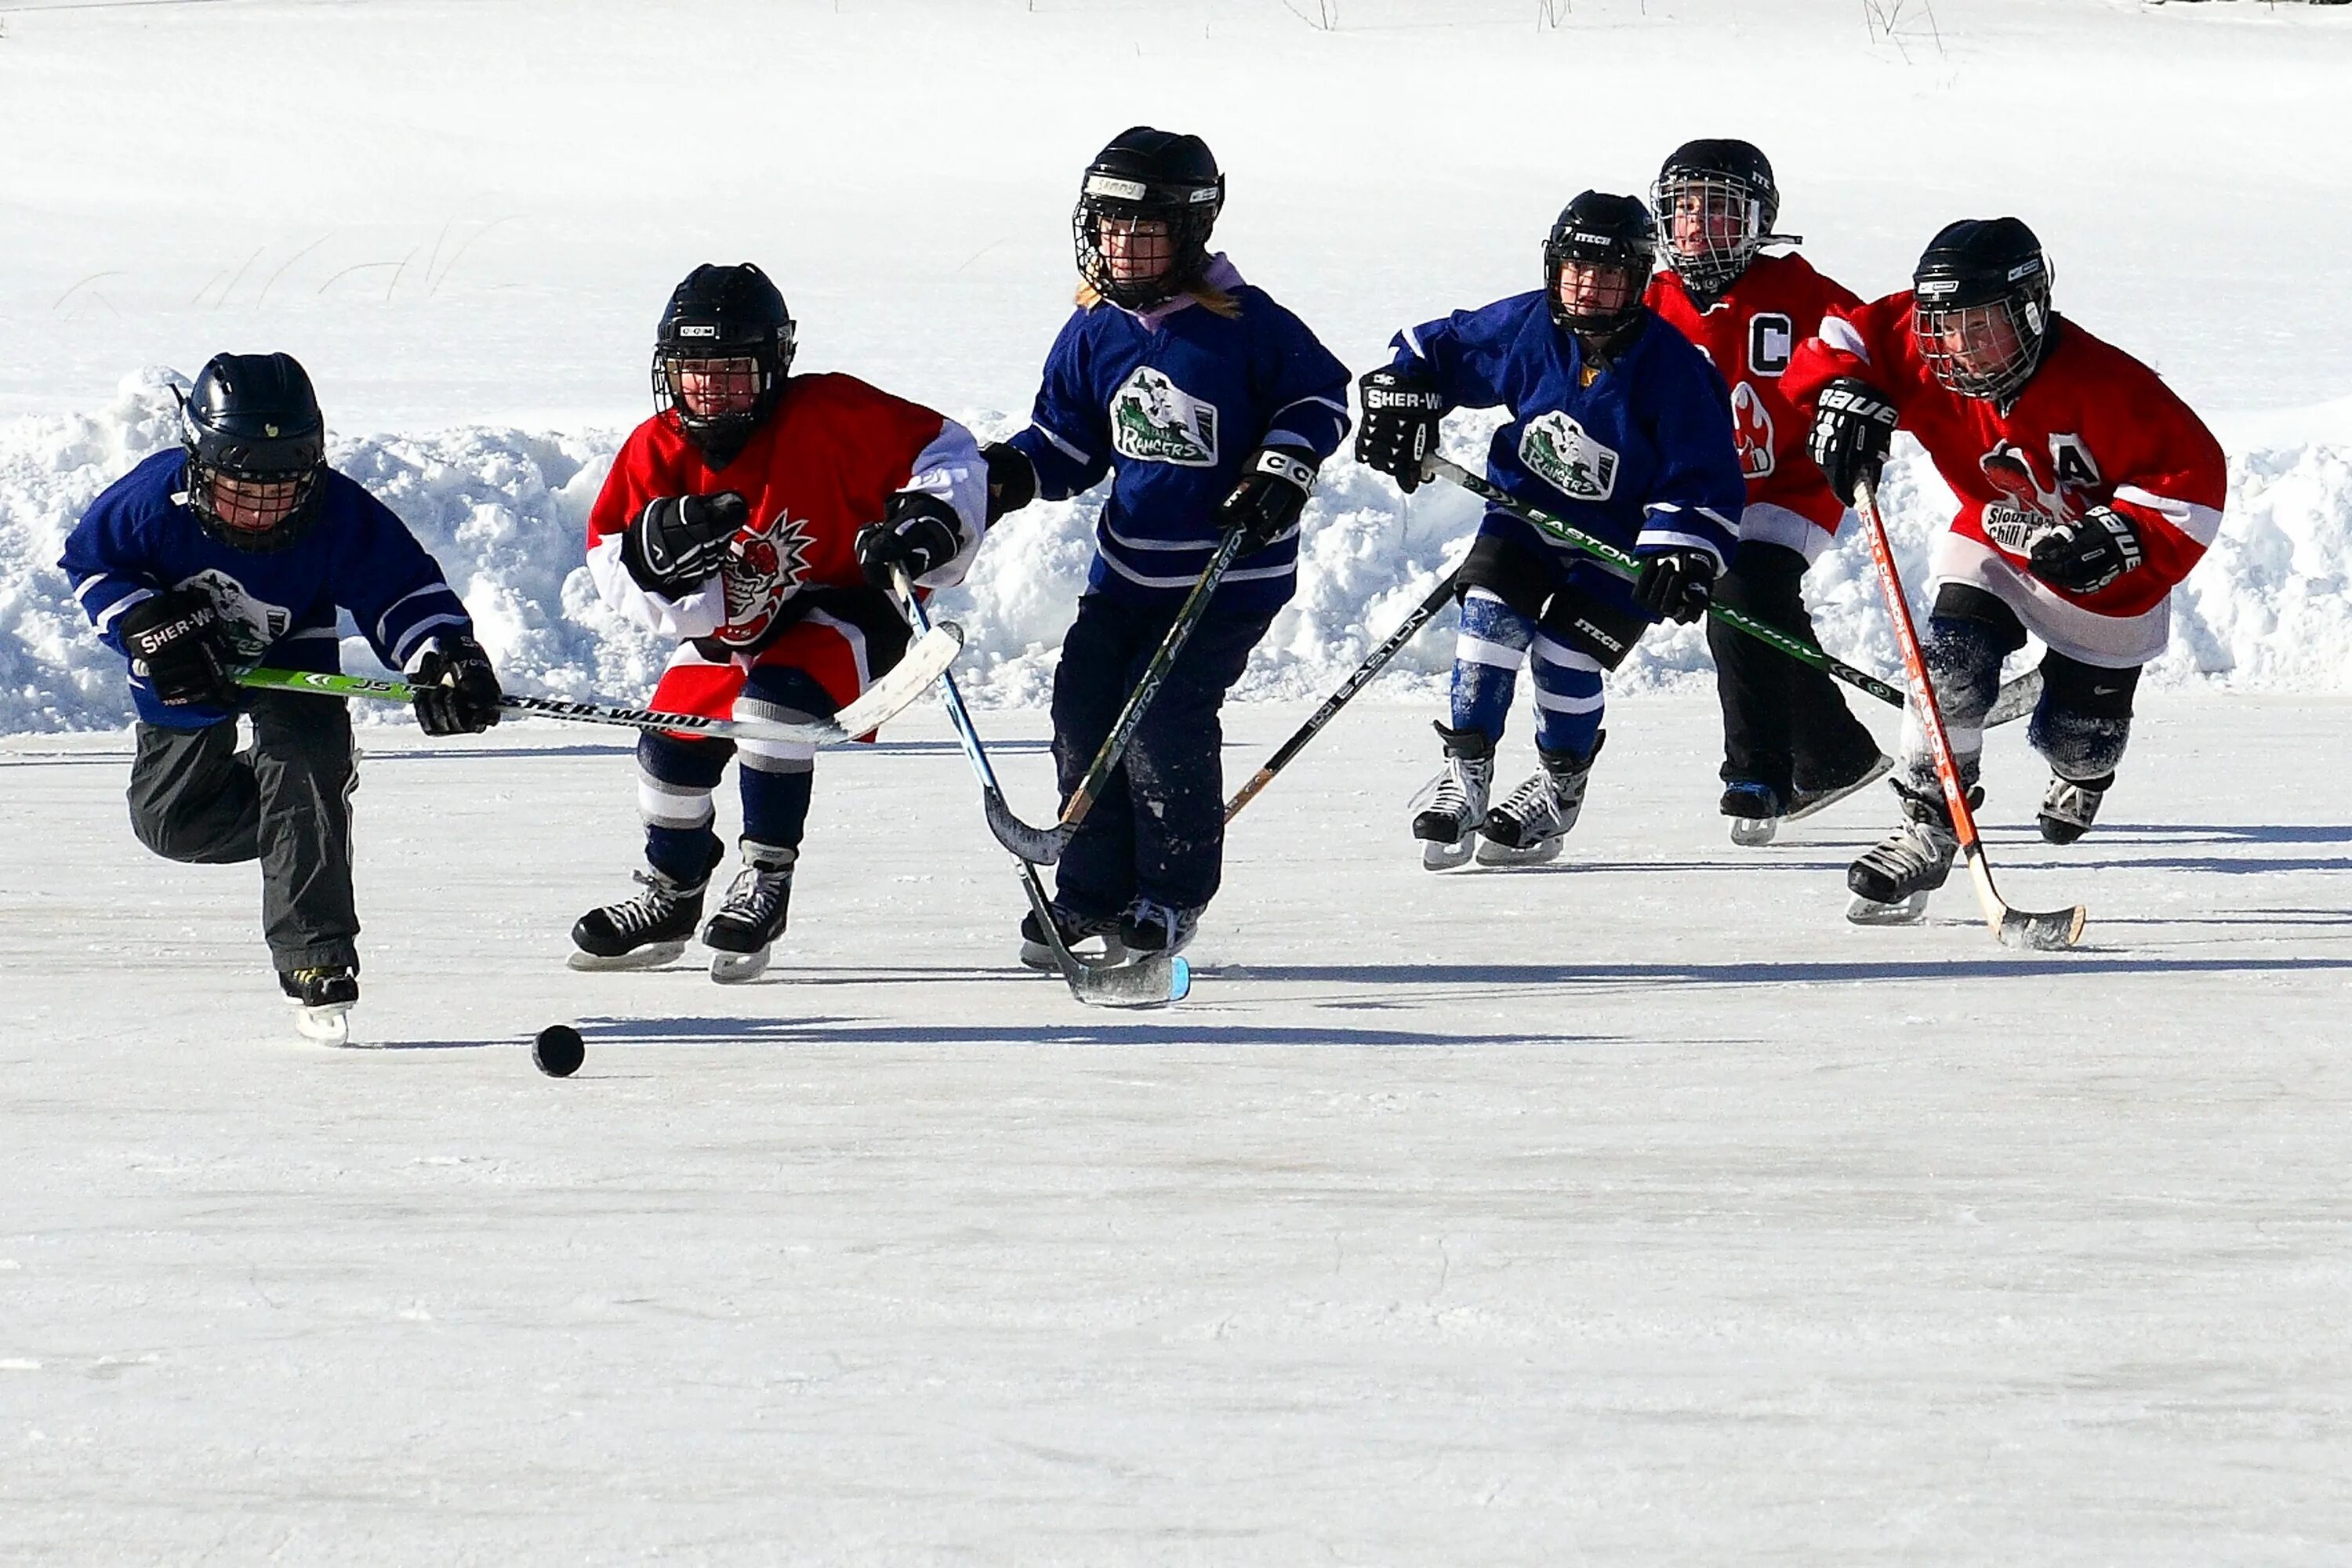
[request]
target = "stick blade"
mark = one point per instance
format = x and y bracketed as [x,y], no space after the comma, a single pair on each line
[2017,699]
[924,661]
[2051,931]
[1144,983]
[1037,845]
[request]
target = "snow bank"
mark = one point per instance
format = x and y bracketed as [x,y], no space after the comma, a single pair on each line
[505,510]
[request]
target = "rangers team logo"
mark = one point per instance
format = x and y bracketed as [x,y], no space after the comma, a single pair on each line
[1560,452]
[251,625]
[1751,426]
[1153,420]
[2032,508]
[764,567]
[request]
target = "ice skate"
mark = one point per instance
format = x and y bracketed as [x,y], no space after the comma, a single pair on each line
[2068,808]
[1807,799]
[1147,928]
[1448,826]
[1891,882]
[323,997]
[1038,954]
[751,918]
[1527,827]
[642,932]
[1754,810]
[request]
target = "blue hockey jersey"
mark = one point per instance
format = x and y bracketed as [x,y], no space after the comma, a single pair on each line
[1641,454]
[1171,402]
[277,607]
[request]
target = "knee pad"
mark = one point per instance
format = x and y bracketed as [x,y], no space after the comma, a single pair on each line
[2083,721]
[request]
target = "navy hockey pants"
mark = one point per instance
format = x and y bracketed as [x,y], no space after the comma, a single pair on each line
[287,802]
[1157,830]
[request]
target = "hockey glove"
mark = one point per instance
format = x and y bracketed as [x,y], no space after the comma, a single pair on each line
[1272,493]
[1852,424]
[1676,584]
[2084,554]
[457,691]
[1401,409]
[1011,478]
[177,641]
[680,542]
[917,535]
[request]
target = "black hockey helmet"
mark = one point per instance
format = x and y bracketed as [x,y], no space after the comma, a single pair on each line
[257,447]
[1146,174]
[723,314]
[1599,230]
[1973,275]
[1713,180]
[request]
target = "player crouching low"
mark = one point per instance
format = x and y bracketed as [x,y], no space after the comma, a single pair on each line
[2087,490]
[1620,426]
[234,551]
[751,518]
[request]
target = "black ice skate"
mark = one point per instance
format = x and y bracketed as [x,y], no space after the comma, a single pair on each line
[1527,828]
[1147,928]
[1890,883]
[1038,954]
[1448,827]
[752,916]
[323,997]
[640,932]
[2068,808]
[1809,799]
[1754,810]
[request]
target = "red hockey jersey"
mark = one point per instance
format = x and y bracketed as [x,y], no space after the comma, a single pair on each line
[823,464]
[1751,334]
[2094,426]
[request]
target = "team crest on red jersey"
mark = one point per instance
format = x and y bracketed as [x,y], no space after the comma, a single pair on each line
[764,567]
[2032,506]
[1751,426]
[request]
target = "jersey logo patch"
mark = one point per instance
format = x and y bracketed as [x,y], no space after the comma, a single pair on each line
[1751,426]
[1560,452]
[1771,342]
[2032,508]
[763,568]
[1153,420]
[249,624]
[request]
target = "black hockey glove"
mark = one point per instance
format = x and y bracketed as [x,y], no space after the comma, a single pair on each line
[1401,409]
[177,640]
[2084,554]
[917,535]
[1676,584]
[1271,493]
[679,541]
[1011,478]
[457,691]
[1852,424]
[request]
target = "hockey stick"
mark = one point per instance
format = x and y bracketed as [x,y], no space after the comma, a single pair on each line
[1374,662]
[1044,846]
[2016,700]
[2014,928]
[924,662]
[1151,982]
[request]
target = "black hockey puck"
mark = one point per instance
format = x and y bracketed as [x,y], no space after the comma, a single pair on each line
[559,1051]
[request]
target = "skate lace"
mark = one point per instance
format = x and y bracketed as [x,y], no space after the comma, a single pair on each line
[754,894]
[1533,803]
[1912,847]
[649,908]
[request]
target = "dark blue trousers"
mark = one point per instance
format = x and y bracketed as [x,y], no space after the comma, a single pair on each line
[1157,829]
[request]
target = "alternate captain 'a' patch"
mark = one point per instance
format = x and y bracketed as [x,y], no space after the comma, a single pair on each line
[1153,420]
[1560,452]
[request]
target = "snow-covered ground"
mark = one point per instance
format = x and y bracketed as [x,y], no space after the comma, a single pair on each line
[1633,1210]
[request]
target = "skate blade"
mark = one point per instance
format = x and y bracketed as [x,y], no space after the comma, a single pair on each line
[1748,832]
[1039,956]
[651,957]
[1493,854]
[329,1026]
[735,968]
[1904,912]
[1436,856]
[1817,803]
